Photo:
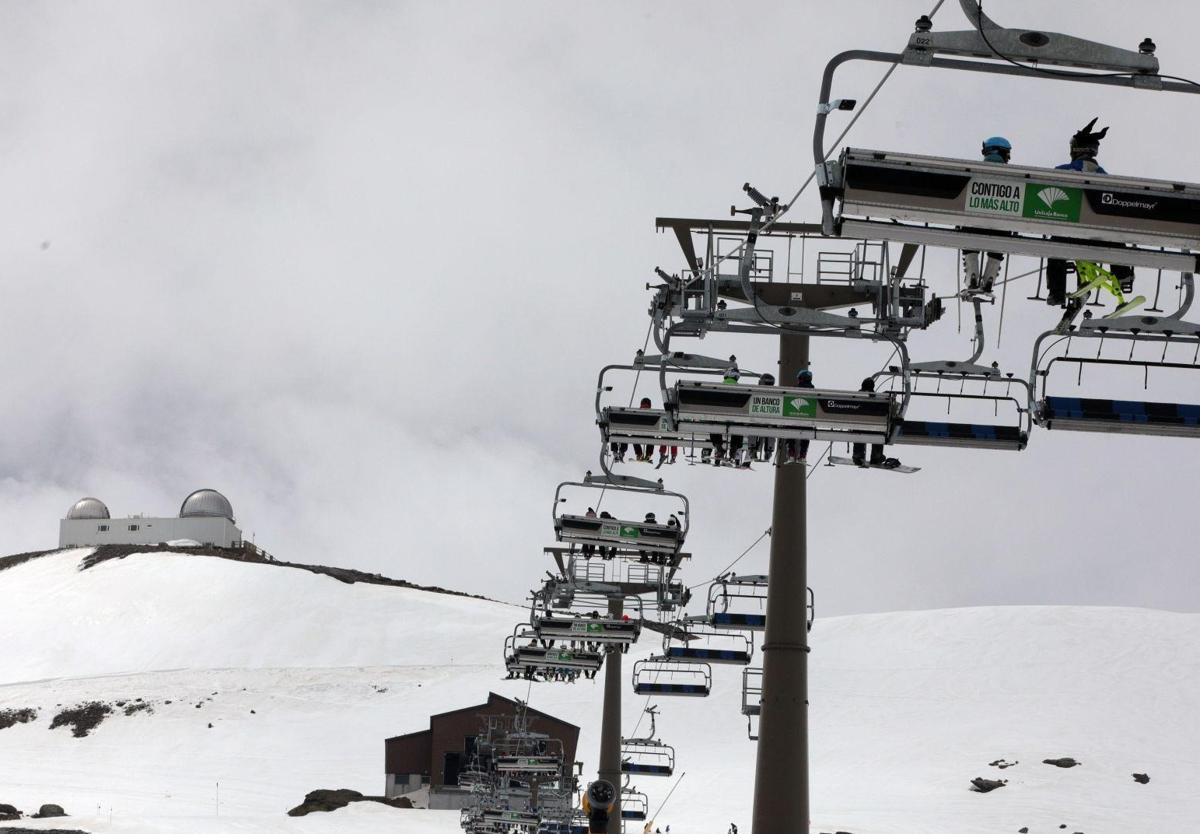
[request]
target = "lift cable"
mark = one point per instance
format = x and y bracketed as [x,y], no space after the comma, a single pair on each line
[743,555]
[632,395]
[857,115]
[808,180]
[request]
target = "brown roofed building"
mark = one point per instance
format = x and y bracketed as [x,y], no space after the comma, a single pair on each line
[434,757]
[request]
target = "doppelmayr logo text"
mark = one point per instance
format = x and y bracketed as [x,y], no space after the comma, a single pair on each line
[1113,200]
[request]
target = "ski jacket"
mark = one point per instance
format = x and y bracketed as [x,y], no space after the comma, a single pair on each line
[1081,165]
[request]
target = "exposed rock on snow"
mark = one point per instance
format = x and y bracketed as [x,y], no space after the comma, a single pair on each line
[984,785]
[8,812]
[49,810]
[327,800]
[82,718]
[11,717]
[1066,761]
[1141,778]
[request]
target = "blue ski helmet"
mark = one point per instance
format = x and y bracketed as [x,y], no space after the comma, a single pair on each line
[804,373]
[997,145]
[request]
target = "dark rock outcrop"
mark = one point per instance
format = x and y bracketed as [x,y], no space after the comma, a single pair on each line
[1141,778]
[82,718]
[49,810]
[982,785]
[327,800]
[1065,761]
[11,717]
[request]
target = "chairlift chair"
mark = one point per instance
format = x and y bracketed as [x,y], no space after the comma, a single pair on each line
[516,765]
[647,757]
[527,656]
[1162,419]
[791,413]
[511,818]
[635,805]
[588,630]
[747,595]
[882,195]
[1011,436]
[627,536]
[659,675]
[701,642]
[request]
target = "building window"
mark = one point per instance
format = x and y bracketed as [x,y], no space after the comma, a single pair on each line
[133,528]
[103,528]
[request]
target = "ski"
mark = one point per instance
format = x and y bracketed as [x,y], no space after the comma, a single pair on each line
[1136,301]
[901,468]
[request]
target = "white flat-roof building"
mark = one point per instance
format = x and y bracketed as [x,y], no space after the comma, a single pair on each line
[205,518]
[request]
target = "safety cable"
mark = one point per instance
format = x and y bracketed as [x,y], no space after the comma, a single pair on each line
[658,811]
[1002,282]
[632,394]
[1064,74]
[788,205]
[743,555]
[857,115]
[638,376]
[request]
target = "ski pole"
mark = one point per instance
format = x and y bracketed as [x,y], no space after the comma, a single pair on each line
[668,796]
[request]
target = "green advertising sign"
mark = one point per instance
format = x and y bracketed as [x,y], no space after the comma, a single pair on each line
[629,532]
[800,407]
[1030,200]
[1052,202]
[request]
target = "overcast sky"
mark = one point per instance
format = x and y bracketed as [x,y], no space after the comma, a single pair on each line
[356,265]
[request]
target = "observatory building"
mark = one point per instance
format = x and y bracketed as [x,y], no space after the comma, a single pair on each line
[205,518]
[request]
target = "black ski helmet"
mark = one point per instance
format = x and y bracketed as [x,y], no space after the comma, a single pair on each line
[1085,144]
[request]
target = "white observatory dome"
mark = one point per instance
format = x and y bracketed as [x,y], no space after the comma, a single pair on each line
[88,508]
[206,503]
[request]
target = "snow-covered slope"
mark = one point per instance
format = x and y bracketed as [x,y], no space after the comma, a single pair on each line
[302,677]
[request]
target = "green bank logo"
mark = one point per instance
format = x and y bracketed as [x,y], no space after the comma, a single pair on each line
[628,532]
[997,197]
[766,405]
[1052,202]
[800,407]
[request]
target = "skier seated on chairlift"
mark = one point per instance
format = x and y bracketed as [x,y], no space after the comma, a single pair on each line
[589,549]
[1084,147]
[877,456]
[732,375]
[982,277]
[644,453]
[607,552]
[797,450]
[644,555]
[760,448]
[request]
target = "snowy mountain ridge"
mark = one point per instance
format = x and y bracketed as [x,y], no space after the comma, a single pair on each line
[279,682]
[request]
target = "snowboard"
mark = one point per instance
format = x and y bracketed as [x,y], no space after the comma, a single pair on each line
[902,469]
